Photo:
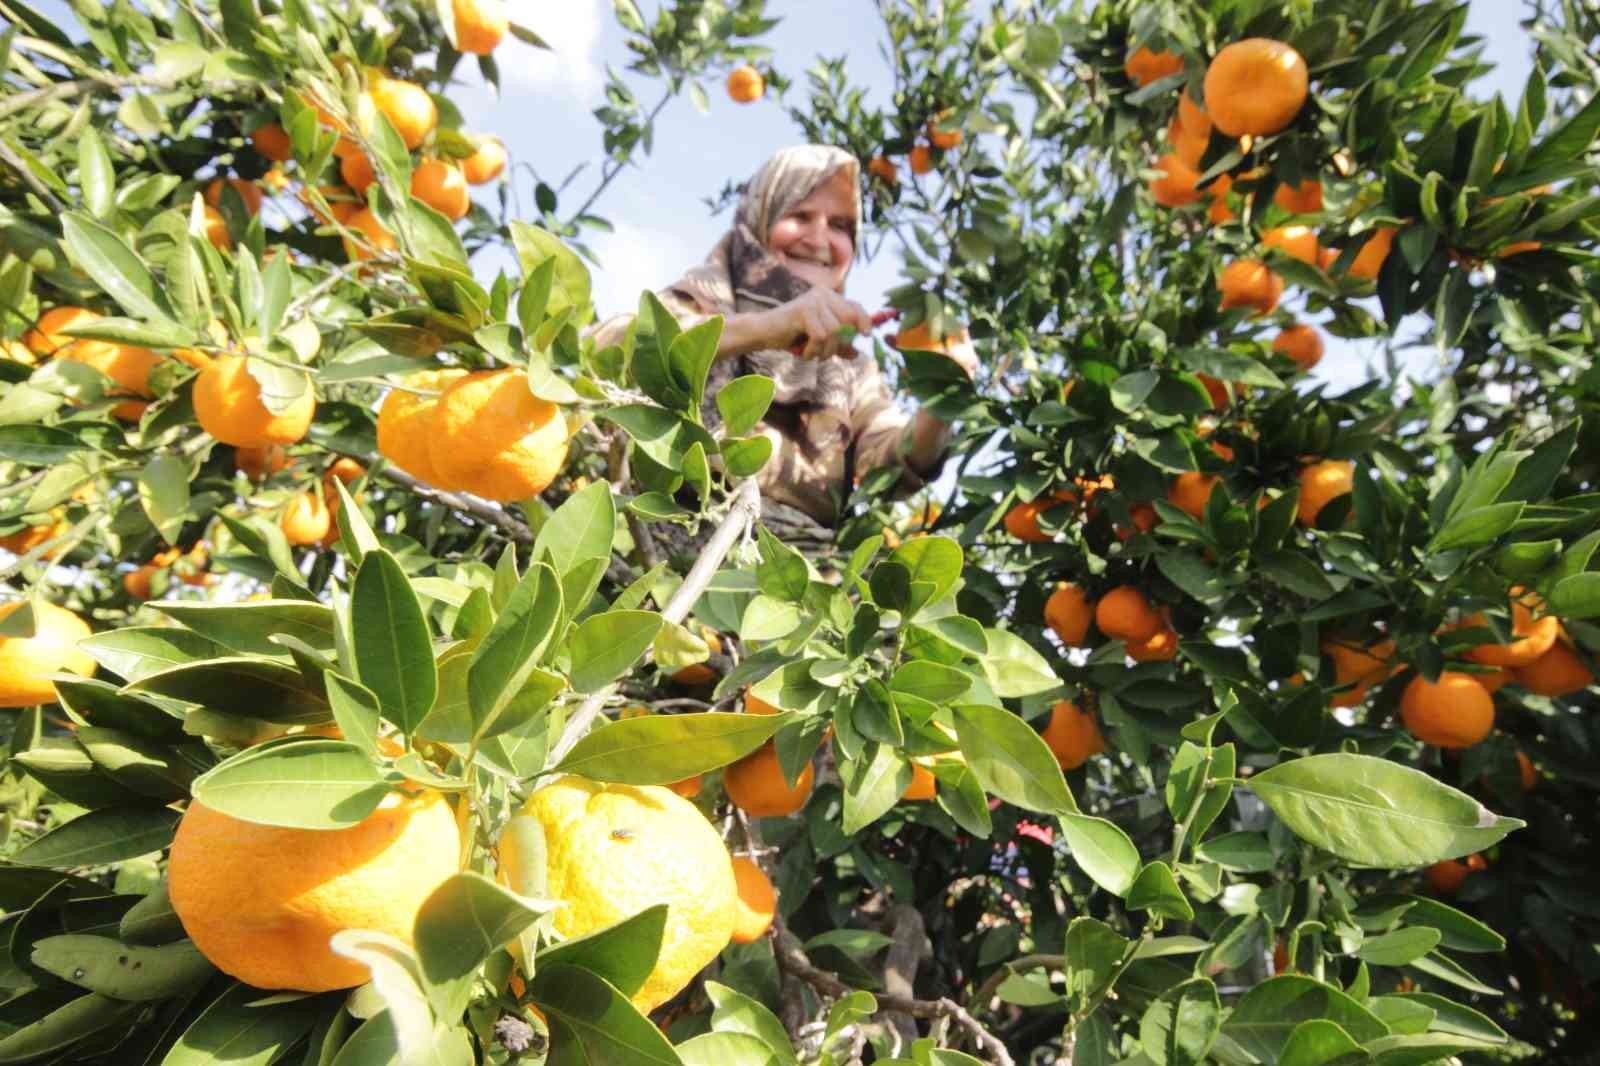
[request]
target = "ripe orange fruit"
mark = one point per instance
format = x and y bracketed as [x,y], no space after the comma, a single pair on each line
[754,704]
[688,788]
[1453,712]
[259,461]
[1527,773]
[1361,667]
[884,168]
[1558,672]
[25,662]
[356,170]
[1190,131]
[262,901]
[378,240]
[341,204]
[1190,492]
[45,337]
[306,520]
[1370,259]
[756,784]
[1069,612]
[136,583]
[1249,283]
[484,165]
[1220,211]
[1301,343]
[1022,521]
[124,364]
[1532,637]
[1445,878]
[1161,647]
[923,787]
[705,674]
[1144,66]
[1255,87]
[920,160]
[757,902]
[407,105]
[1177,187]
[1144,520]
[28,538]
[1302,199]
[942,138]
[216,229]
[442,187]
[494,438]
[480,25]
[1124,614]
[248,191]
[227,402]
[745,84]
[1297,241]
[272,141]
[346,470]
[404,421]
[613,850]
[1320,483]
[1072,736]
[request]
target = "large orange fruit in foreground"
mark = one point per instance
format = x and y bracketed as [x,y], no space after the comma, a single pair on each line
[1453,712]
[614,850]
[407,105]
[53,648]
[1558,672]
[356,170]
[46,339]
[756,784]
[1249,283]
[486,163]
[1370,259]
[1072,735]
[1160,647]
[404,422]
[1302,199]
[1068,612]
[306,520]
[746,85]
[1177,186]
[442,187]
[1297,241]
[227,401]
[494,438]
[480,25]
[1191,491]
[1022,521]
[1255,87]
[378,239]
[1320,483]
[1531,637]
[262,901]
[757,902]
[1124,614]
[1144,66]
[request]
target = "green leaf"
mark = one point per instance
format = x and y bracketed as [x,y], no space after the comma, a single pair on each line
[390,639]
[659,749]
[465,920]
[37,445]
[248,628]
[1180,1027]
[768,619]
[605,646]
[510,653]
[743,402]
[736,1012]
[304,784]
[164,494]
[1456,1018]
[1577,596]
[1103,850]
[1572,139]
[782,572]
[1399,947]
[570,287]
[257,688]
[1482,525]
[1373,812]
[1094,952]
[872,785]
[355,709]
[1459,931]
[745,456]
[1243,852]
[622,954]
[663,436]
[581,528]
[253,1033]
[95,174]
[102,837]
[1156,890]
[935,560]
[930,681]
[1264,1017]
[1011,760]
[116,268]
[1013,668]
[1319,1042]
[691,354]
[591,1022]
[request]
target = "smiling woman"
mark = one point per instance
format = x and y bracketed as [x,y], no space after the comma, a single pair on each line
[777,276]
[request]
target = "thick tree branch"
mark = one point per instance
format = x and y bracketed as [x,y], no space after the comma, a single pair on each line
[743,513]
[909,947]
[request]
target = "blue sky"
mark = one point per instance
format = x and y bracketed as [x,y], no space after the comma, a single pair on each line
[662,225]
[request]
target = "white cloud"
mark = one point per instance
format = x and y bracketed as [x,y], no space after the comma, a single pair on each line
[572,68]
[636,258]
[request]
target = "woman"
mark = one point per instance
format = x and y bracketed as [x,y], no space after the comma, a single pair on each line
[778,278]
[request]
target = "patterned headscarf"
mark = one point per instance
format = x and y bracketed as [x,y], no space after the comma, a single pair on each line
[741,274]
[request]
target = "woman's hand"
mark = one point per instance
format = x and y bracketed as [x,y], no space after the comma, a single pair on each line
[814,321]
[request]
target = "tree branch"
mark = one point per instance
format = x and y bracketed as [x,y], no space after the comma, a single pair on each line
[746,508]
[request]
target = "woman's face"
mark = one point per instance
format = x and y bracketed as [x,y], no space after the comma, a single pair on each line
[813,238]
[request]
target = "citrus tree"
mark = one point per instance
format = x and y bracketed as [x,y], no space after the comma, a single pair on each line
[401,676]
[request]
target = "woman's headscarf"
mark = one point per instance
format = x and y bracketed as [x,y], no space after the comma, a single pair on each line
[742,275]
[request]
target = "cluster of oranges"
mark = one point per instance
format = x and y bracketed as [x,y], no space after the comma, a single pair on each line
[188,567]
[128,366]
[482,432]
[1252,88]
[942,135]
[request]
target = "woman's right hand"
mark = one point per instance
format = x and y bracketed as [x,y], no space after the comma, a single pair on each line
[814,321]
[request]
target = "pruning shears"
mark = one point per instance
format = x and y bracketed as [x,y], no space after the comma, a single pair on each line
[848,333]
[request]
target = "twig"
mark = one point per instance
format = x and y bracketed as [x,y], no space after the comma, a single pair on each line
[794,961]
[746,508]
[482,510]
